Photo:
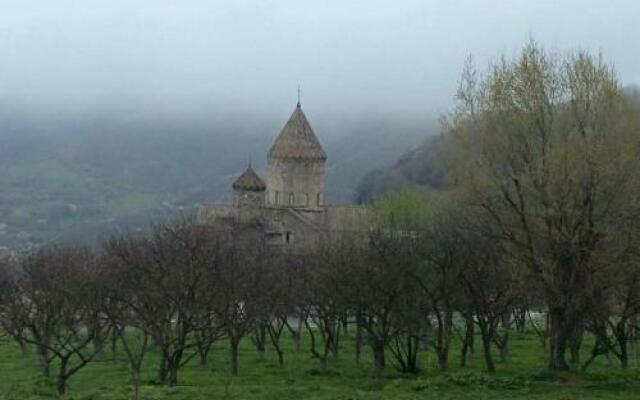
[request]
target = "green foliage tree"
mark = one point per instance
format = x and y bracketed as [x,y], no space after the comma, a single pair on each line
[546,146]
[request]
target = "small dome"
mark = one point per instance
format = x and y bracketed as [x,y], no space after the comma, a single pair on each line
[249,181]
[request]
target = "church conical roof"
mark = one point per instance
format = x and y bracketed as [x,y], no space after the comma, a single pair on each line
[249,180]
[297,140]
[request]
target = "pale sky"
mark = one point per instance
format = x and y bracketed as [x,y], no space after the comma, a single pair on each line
[200,57]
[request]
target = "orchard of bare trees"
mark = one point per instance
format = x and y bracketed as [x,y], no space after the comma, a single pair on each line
[537,230]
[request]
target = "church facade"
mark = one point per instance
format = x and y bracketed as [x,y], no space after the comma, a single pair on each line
[289,208]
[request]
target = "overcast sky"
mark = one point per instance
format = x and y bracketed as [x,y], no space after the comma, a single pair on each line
[188,57]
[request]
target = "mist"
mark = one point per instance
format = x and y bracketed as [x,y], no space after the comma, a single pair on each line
[202,60]
[114,112]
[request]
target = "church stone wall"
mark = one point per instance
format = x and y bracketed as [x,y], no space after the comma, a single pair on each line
[295,182]
[291,214]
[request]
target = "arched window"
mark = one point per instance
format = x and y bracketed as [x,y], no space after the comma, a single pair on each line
[291,199]
[277,197]
[319,199]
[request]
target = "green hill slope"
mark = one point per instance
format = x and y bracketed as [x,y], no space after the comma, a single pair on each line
[80,179]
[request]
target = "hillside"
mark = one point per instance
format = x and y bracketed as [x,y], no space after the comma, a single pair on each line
[76,179]
[418,166]
[423,166]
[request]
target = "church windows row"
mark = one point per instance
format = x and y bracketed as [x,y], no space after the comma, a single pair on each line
[276,199]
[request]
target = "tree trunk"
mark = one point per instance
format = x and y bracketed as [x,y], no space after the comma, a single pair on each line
[296,340]
[323,364]
[42,359]
[203,348]
[378,360]
[114,342]
[99,340]
[280,354]
[234,355]
[442,345]
[624,353]
[297,333]
[62,376]
[358,341]
[135,379]
[520,317]
[557,340]
[575,343]
[203,356]
[504,341]
[162,370]
[23,347]
[274,335]
[504,346]
[334,339]
[443,359]
[259,339]
[467,342]
[173,375]
[486,347]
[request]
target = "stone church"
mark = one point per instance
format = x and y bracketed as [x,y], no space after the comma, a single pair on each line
[289,209]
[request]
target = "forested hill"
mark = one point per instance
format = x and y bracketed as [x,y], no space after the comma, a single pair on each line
[422,165]
[81,178]
[418,166]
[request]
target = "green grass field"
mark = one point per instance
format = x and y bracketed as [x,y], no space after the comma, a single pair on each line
[523,377]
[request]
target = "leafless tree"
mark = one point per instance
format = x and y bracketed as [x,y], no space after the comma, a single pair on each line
[325,307]
[438,275]
[118,306]
[491,291]
[243,278]
[57,301]
[374,281]
[9,299]
[169,286]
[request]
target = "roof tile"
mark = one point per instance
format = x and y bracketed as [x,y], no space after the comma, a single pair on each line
[297,140]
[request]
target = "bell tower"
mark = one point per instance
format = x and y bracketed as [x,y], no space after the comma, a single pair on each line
[295,166]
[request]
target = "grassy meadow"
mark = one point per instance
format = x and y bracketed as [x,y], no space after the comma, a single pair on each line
[522,377]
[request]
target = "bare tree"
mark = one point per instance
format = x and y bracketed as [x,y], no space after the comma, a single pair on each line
[613,318]
[281,302]
[58,303]
[325,308]
[119,306]
[438,277]
[243,278]
[169,287]
[373,281]
[491,291]
[9,300]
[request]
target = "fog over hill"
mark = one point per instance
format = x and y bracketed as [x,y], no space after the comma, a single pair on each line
[80,179]
[424,165]
[112,113]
